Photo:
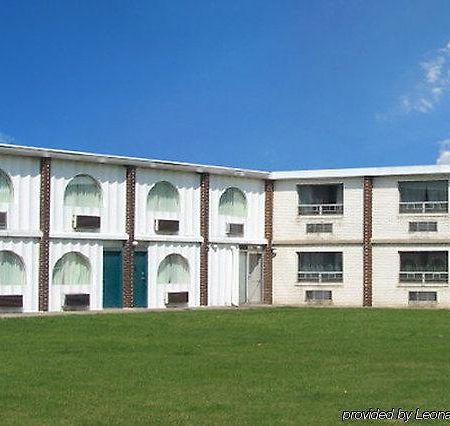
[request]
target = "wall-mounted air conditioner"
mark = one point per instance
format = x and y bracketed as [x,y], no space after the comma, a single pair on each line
[3,220]
[235,229]
[177,299]
[76,302]
[85,223]
[166,226]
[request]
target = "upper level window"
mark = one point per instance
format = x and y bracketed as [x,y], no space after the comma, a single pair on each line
[72,269]
[12,270]
[83,191]
[320,266]
[423,196]
[6,191]
[163,197]
[320,199]
[233,203]
[424,266]
[174,269]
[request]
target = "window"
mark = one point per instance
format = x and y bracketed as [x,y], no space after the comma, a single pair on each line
[233,203]
[83,191]
[72,269]
[318,296]
[320,267]
[163,197]
[423,196]
[174,269]
[422,296]
[313,228]
[12,270]
[6,191]
[422,226]
[424,267]
[320,199]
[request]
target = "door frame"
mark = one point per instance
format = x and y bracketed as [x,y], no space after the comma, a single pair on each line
[248,251]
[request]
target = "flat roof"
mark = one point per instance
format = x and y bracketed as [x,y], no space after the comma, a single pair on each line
[10,149]
[28,151]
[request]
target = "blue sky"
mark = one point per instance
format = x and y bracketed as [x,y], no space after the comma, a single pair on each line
[260,84]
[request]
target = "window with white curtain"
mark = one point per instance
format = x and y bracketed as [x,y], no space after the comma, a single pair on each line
[233,203]
[12,270]
[83,191]
[72,269]
[174,269]
[163,197]
[6,191]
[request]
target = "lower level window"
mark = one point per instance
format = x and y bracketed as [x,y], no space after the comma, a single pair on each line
[320,267]
[422,296]
[424,267]
[318,296]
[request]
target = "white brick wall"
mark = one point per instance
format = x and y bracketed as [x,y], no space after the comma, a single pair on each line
[288,225]
[387,290]
[286,289]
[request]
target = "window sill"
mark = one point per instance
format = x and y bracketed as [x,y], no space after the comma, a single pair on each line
[423,285]
[315,283]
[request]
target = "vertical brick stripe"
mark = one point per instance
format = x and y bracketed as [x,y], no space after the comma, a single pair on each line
[128,250]
[268,234]
[44,225]
[367,242]
[204,231]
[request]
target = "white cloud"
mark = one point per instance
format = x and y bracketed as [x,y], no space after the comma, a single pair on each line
[433,83]
[444,152]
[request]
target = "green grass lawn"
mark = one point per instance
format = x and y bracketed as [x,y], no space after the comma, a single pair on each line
[255,366]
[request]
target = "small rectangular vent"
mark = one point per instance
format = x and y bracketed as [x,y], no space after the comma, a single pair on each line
[76,302]
[165,226]
[318,296]
[235,229]
[316,228]
[422,297]
[180,298]
[3,220]
[422,226]
[84,223]
[11,303]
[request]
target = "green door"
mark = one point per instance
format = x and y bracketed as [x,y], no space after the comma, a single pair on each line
[140,279]
[112,279]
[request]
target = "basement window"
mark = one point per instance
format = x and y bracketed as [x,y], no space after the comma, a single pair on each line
[320,199]
[318,296]
[419,297]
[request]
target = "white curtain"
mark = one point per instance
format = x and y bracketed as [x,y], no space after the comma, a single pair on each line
[5,188]
[83,191]
[72,269]
[233,203]
[174,269]
[163,197]
[12,271]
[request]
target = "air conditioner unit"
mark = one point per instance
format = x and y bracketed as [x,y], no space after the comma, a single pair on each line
[166,226]
[81,222]
[76,302]
[13,303]
[177,299]
[235,229]
[3,220]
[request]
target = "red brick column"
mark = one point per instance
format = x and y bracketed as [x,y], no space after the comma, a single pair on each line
[204,231]
[128,249]
[268,234]
[44,243]
[367,242]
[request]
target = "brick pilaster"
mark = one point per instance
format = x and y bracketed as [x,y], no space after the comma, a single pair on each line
[128,249]
[44,225]
[367,241]
[268,234]
[204,231]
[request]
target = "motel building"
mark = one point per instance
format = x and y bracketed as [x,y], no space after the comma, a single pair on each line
[83,231]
